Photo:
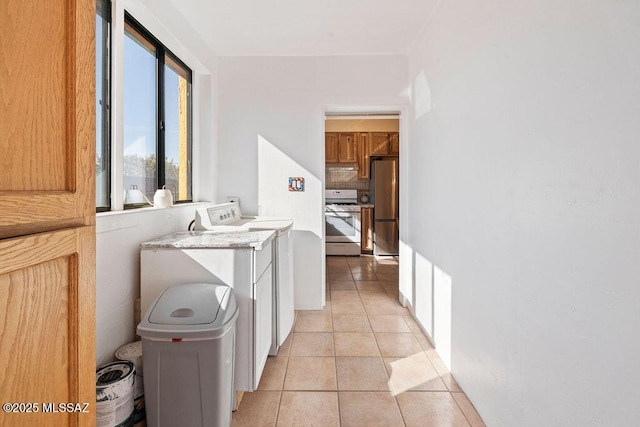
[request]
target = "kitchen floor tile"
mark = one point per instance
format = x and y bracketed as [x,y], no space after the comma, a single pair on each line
[355,344]
[387,277]
[442,370]
[259,408]
[424,341]
[312,344]
[312,409]
[362,373]
[346,275]
[345,295]
[413,372]
[273,373]
[388,323]
[369,285]
[413,325]
[311,373]
[374,307]
[369,409]
[397,344]
[285,348]
[430,409]
[347,307]
[341,284]
[350,323]
[365,276]
[468,410]
[314,322]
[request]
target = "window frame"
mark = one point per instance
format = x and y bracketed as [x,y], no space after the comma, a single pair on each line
[161,50]
[103,9]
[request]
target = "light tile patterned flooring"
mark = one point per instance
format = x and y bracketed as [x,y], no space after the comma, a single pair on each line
[362,361]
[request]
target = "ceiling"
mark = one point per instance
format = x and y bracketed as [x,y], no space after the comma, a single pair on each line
[306,27]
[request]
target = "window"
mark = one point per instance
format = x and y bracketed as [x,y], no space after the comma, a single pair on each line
[157,118]
[103,114]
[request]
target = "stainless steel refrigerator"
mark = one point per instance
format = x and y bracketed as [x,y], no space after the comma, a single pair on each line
[385,197]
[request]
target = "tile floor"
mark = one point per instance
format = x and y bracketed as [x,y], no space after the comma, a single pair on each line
[362,361]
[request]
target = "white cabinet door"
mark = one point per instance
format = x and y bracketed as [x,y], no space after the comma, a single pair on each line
[263,305]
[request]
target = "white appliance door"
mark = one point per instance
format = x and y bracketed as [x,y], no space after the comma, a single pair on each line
[285,287]
[342,227]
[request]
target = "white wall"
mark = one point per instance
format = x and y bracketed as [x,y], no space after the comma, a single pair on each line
[118,238]
[119,234]
[272,128]
[525,201]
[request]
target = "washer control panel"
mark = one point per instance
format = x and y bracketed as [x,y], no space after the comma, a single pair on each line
[223,214]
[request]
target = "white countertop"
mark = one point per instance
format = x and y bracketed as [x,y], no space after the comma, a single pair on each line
[212,240]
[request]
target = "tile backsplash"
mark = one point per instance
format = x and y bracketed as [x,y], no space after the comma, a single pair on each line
[345,179]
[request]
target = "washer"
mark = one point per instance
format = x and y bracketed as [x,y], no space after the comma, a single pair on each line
[242,260]
[228,215]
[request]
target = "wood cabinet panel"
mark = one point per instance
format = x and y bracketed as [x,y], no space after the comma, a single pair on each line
[48,326]
[347,148]
[331,147]
[364,165]
[47,119]
[366,231]
[394,147]
[380,143]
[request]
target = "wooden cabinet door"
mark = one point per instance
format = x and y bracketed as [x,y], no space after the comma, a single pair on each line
[394,147]
[347,148]
[331,147]
[380,143]
[366,231]
[47,325]
[47,196]
[363,155]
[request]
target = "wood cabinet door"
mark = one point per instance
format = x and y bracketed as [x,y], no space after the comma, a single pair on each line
[47,196]
[331,147]
[47,350]
[347,148]
[366,231]
[363,155]
[380,143]
[394,146]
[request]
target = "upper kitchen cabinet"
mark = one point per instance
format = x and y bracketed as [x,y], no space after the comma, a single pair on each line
[340,147]
[394,147]
[364,139]
[331,150]
[347,148]
[385,144]
[380,143]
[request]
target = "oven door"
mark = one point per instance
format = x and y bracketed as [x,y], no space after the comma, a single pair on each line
[342,226]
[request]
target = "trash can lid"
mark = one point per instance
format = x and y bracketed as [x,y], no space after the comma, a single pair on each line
[193,304]
[197,310]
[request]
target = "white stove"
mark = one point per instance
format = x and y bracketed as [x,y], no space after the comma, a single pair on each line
[342,222]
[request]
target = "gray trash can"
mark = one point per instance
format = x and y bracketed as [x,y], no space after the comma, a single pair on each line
[188,349]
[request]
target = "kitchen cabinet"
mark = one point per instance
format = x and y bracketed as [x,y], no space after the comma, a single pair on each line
[394,147]
[380,143]
[385,144]
[366,230]
[47,207]
[347,148]
[331,151]
[340,147]
[363,144]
